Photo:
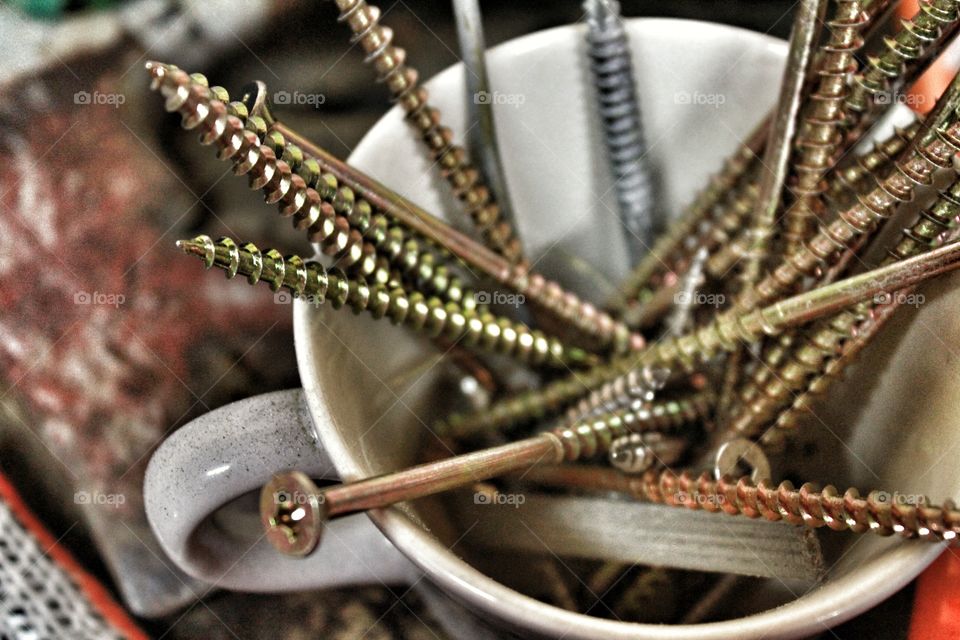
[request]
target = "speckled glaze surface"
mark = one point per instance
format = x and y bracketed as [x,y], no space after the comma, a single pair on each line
[229,452]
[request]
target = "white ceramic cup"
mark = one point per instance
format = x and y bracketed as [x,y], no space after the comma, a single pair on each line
[369,389]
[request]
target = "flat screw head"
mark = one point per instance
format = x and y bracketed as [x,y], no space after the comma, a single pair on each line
[741,456]
[292,512]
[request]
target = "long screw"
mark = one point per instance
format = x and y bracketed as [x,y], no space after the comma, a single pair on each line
[776,156]
[848,180]
[616,93]
[724,334]
[933,148]
[664,415]
[311,280]
[670,249]
[400,79]
[547,294]
[200,108]
[818,136]
[880,512]
[293,509]
[673,246]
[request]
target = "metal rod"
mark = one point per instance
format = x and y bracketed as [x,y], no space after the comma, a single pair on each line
[482,136]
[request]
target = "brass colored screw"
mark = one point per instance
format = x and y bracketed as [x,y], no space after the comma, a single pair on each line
[932,149]
[665,415]
[311,279]
[818,136]
[776,153]
[774,439]
[882,513]
[910,46]
[723,335]
[551,447]
[849,180]
[670,248]
[401,80]
[345,225]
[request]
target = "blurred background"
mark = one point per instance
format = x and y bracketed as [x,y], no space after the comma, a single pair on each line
[105,344]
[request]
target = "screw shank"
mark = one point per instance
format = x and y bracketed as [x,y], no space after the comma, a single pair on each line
[436,477]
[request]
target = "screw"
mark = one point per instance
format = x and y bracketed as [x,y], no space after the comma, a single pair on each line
[880,512]
[616,93]
[401,79]
[344,224]
[821,351]
[900,59]
[552,447]
[722,335]
[311,280]
[637,452]
[818,136]
[933,148]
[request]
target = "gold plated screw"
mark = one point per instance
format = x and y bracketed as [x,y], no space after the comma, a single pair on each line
[312,281]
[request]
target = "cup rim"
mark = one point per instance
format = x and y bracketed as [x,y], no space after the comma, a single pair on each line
[824,606]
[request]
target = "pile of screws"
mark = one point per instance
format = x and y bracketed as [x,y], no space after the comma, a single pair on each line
[686,401]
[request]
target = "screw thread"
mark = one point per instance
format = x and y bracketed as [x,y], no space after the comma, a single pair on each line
[401,80]
[612,73]
[362,239]
[908,46]
[590,436]
[637,452]
[432,316]
[819,133]
[638,384]
[672,248]
[878,512]
[928,152]
[851,179]
[823,349]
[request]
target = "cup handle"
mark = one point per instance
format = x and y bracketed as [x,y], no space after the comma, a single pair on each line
[232,451]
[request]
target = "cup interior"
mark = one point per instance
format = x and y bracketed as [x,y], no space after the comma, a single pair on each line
[375,390]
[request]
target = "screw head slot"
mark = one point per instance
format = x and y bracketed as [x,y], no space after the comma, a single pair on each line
[292,512]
